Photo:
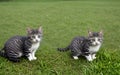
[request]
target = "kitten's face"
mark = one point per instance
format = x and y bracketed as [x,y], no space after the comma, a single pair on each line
[95,38]
[35,35]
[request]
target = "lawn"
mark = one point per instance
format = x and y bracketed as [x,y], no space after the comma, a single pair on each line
[61,21]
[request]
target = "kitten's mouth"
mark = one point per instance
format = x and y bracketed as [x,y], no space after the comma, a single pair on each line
[95,44]
[36,41]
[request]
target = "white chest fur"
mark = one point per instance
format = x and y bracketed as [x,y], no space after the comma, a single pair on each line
[34,47]
[93,49]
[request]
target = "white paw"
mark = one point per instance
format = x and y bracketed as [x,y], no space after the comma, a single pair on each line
[30,59]
[34,58]
[90,59]
[75,57]
[94,57]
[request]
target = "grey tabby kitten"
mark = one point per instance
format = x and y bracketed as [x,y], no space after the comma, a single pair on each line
[85,46]
[19,46]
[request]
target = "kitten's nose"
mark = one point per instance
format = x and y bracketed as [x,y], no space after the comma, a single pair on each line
[97,43]
[37,41]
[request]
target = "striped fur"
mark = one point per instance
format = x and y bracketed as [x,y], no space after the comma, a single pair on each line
[19,46]
[78,45]
[85,46]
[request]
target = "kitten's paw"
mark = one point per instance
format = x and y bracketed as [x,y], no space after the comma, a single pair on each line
[94,57]
[34,58]
[30,59]
[90,59]
[75,57]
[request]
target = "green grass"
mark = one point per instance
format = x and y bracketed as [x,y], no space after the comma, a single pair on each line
[61,21]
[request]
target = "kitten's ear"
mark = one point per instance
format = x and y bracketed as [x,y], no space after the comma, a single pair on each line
[29,30]
[90,33]
[40,29]
[101,33]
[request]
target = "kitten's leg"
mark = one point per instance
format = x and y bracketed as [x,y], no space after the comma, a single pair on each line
[13,59]
[89,57]
[28,54]
[30,57]
[93,56]
[33,55]
[75,55]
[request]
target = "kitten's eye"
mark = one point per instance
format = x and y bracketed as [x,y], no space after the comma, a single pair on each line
[93,39]
[33,36]
[99,39]
[39,36]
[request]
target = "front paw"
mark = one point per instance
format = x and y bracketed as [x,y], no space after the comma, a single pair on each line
[30,58]
[75,57]
[34,58]
[90,59]
[94,57]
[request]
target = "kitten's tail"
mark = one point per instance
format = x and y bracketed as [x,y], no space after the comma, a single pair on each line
[2,54]
[63,49]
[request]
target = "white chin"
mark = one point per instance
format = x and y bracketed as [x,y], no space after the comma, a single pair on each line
[94,44]
[34,41]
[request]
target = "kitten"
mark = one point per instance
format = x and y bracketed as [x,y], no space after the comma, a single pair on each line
[19,46]
[85,46]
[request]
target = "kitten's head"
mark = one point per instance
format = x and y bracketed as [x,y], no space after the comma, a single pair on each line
[35,35]
[95,38]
